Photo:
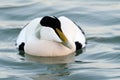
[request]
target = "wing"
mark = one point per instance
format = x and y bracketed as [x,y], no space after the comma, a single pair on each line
[80,38]
[73,32]
[21,37]
[26,31]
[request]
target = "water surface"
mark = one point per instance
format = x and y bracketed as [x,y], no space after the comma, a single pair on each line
[100,19]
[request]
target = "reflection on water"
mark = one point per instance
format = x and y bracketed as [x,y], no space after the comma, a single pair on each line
[51,60]
[56,72]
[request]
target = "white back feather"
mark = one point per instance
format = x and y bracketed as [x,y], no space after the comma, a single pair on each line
[27,31]
[71,30]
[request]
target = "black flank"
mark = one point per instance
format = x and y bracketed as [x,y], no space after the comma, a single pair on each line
[21,49]
[21,46]
[78,45]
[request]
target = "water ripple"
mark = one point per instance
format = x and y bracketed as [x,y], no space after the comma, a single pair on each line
[99,19]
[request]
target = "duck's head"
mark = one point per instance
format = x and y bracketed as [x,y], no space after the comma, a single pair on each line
[55,24]
[52,22]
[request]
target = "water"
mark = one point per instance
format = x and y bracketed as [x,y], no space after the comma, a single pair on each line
[100,19]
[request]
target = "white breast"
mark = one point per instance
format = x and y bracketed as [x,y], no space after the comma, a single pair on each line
[46,48]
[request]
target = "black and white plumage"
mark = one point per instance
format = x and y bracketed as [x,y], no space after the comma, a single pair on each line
[50,36]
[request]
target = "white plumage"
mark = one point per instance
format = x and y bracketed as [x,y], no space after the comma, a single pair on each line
[50,41]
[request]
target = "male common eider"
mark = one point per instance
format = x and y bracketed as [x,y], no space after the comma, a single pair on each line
[51,37]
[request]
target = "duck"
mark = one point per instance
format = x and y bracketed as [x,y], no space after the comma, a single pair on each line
[51,36]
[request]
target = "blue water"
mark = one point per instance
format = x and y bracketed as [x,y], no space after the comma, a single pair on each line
[100,19]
